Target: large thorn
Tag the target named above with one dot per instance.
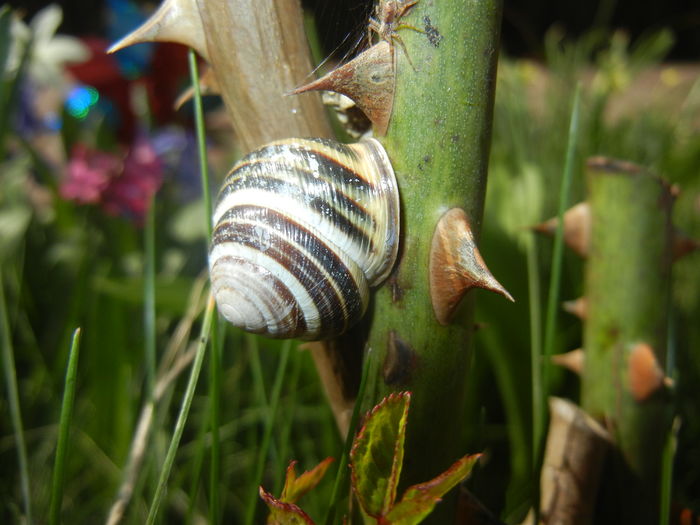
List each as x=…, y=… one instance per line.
x=577, y=228
x=456, y=265
x=574, y=360
x=174, y=21
x=368, y=80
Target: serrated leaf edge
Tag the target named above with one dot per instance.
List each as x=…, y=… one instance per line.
x=276, y=505
x=391, y=398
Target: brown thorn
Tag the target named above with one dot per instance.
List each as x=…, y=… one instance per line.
x=174, y=21
x=368, y=80
x=574, y=360
x=577, y=307
x=577, y=228
x=644, y=373
x=456, y=266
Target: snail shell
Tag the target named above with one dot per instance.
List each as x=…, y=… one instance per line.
x=302, y=229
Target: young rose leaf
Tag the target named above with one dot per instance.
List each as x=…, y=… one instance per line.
x=282, y=513
x=419, y=500
x=295, y=488
x=377, y=454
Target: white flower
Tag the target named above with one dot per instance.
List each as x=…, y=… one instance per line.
x=49, y=52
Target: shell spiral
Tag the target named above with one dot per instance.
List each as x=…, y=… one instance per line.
x=302, y=229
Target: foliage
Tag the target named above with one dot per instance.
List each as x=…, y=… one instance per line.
x=376, y=460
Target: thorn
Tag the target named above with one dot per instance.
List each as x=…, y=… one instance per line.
x=644, y=373
x=208, y=85
x=683, y=244
x=577, y=307
x=573, y=360
x=368, y=80
x=174, y=21
x=577, y=228
x=456, y=265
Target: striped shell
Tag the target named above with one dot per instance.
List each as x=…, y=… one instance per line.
x=302, y=229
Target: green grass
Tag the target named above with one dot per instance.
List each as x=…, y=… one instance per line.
x=64, y=430
x=197, y=449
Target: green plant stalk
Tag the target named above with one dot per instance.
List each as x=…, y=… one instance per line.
x=63, y=431
x=215, y=352
x=267, y=432
x=627, y=286
x=438, y=141
x=184, y=412
x=8, y=364
x=555, y=279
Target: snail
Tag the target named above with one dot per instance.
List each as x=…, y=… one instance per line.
x=302, y=229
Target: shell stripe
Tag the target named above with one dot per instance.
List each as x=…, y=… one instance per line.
x=317, y=267
x=334, y=205
x=324, y=299
x=326, y=162
x=271, y=306
x=321, y=225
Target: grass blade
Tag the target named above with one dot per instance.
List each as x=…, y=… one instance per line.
x=149, y=296
x=267, y=433
x=215, y=350
x=63, y=431
x=668, y=457
x=558, y=250
x=8, y=364
x=533, y=283
x=184, y=412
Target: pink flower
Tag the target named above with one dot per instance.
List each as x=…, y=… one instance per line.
x=88, y=174
x=120, y=186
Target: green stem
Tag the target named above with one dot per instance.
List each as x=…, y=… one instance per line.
x=8, y=362
x=63, y=431
x=438, y=141
x=627, y=287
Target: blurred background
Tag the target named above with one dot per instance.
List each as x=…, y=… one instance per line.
x=94, y=150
